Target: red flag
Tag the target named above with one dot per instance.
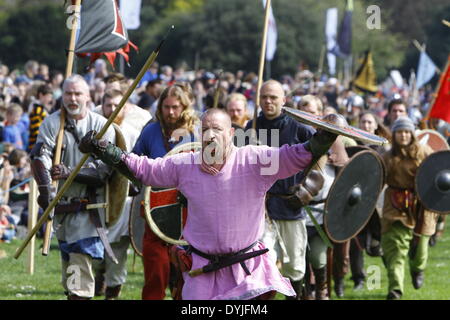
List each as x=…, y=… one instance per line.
x=441, y=107
x=102, y=31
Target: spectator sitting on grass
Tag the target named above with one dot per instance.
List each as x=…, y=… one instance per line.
x=7, y=225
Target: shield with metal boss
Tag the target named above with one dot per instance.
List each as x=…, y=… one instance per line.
x=433, y=182
x=353, y=195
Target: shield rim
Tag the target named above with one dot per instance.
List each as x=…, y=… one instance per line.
x=325, y=220
x=416, y=183
x=130, y=227
x=148, y=217
x=434, y=132
x=335, y=129
x=153, y=225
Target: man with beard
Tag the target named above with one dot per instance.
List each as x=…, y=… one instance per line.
x=236, y=107
x=225, y=187
x=175, y=125
x=78, y=230
x=131, y=119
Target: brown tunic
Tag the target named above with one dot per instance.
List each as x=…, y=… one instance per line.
x=400, y=174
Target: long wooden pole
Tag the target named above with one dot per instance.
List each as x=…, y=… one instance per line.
x=71, y=55
x=102, y=132
x=217, y=92
x=262, y=58
x=32, y=217
x=59, y=139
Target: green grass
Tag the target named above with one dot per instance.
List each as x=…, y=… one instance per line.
x=44, y=284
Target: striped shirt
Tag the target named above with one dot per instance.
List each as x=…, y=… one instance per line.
x=37, y=115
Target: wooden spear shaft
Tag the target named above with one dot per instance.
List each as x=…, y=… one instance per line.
x=102, y=132
x=59, y=139
x=261, y=62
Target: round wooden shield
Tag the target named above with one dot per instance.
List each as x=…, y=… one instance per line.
x=353, y=196
x=346, y=130
x=433, y=182
x=433, y=139
x=163, y=212
x=136, y=224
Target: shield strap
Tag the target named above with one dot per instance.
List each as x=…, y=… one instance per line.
x=95, y=218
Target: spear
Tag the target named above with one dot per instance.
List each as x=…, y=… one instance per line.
x=62, y=117
x=217, y=92
x=72, y=176
x=261, y=63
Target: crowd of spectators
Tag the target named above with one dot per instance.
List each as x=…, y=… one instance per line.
x=28, y=95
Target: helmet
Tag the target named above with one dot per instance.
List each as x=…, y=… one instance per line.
x=357, y=101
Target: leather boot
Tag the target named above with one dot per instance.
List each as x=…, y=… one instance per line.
x=298, y=288
x=417, y=279
x=100, y=285
x=321, y=283
x=112, y=293
x=339, y=287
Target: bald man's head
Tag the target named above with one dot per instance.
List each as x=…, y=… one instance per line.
x=220, y=114
x=272, y=98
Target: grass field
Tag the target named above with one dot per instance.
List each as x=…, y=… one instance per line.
x=44, y=284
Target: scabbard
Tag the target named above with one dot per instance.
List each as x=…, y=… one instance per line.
x=226, y=262
x=95, y=218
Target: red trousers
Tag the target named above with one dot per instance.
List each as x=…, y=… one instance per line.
x=156, y=266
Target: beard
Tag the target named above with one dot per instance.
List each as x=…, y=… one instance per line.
x=73, y=112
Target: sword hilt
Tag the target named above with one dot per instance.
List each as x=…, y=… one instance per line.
x=196, y=272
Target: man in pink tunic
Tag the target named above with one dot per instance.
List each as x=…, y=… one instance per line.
x=225, y=187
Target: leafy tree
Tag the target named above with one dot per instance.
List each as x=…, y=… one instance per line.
x=227, y=35
x=35, y=32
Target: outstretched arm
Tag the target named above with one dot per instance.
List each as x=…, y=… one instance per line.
x=139, y=169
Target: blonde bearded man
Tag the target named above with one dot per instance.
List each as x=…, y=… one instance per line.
x=236, y=107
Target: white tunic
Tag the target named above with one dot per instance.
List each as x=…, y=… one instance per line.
x=72, y=227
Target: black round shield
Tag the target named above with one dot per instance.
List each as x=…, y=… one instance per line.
x=352, y=150
x=136, y=225
x=353, y=195
x=433, y=182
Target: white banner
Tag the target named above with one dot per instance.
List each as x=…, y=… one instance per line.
x=425, y=70
x=272, y=35
x=130, y=11
x=331, y=25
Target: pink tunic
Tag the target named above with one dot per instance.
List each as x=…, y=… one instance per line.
x=226, y=213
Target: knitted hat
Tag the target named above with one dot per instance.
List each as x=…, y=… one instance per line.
x=404, y=123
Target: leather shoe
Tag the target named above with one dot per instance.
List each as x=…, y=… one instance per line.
x=359, y=285
x=112, y=293
x=339, y=287
x=394, y=295
x=417, y=279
